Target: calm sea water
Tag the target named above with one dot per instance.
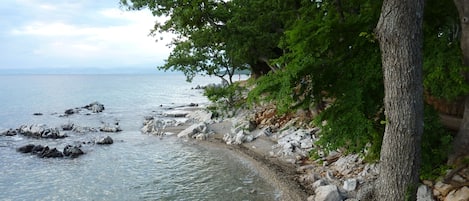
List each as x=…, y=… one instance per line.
x=136, y=166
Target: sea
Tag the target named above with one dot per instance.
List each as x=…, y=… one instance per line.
x=136, y=166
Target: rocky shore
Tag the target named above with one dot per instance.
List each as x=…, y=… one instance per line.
x=280, y=147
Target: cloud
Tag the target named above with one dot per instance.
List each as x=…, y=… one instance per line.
x=106, y=36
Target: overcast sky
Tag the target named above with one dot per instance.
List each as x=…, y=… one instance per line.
x=71, y=34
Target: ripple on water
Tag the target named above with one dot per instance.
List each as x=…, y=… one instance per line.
x=136, y=167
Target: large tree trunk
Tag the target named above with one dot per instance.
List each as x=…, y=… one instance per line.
x=399, y=32
x=461, y=142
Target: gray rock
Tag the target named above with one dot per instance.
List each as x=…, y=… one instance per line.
x=9, y=132
x=327, y=193
x=72, y=151
x=105, y=140
x=318, y=183
x=95, y=107
x=153, y=126
x=37, y=149
x=424, y=193
x=40, y=131
x=350, y=184
x=69, y=112
x=50, y=153
x=110, y=128
x=193, y=129
x=67, y=126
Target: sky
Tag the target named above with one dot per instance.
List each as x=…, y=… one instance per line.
x=67, y=35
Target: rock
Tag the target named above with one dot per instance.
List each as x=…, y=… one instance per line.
x=72, y=151
x=26, y=148
x=366, y=192
x=424, y=193
x=333, y=156
x=350, y=184
x=105, y=140
x=110, y=128
x=345, y=165
x=95, y=107
x=37, y=114
x=193, y=129
x=37, y=149
x=153, y=126
x=9, y=132
x=67, y=126
x=69, y=112
x=200, y=116
x=461, y=194
x=40, y=131
x=327, y=193
x=441, y=188
x=318, y=183
x=80, y=129
x=50, y=153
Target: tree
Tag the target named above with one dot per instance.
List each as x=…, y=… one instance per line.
x=461, y=141
x=399, y=31
x=331, y=54
x=219, y=37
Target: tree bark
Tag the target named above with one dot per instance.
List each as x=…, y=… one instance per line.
x=399, y=32
x=461, y=141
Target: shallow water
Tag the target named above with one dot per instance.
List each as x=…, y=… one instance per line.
x=136, y=166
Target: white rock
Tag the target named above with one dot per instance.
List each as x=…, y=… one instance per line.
x=350, y=184
x=200, y=115
x=192, y=130
x=327, y=193
x=424, y=193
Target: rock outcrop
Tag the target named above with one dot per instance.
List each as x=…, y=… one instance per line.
x=36, y=131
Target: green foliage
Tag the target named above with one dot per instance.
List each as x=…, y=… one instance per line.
x=443, y=66
x=436, y=144
x=328, y=57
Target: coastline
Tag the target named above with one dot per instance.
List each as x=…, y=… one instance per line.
x=279, y=173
